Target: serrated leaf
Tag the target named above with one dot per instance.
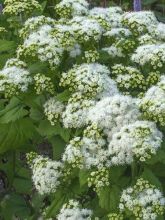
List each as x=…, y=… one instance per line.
x=47, y=130
x=14, y=134
x=159, y=157
x=14, y=205
x=109, y=198
x=22, y=185
x=63, y=96
x=58, y=146
x=36, y=114
x=38, y=67
x=151, y=177
x=59, y=199
x=83, y=177
x=13, y=111
x=6, y=45
x=116, y=173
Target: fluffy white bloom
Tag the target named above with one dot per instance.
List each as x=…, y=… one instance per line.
x=153, y=54
x=46, y=174
x=89, y=79
x=105, y=11
x=159, y=31
x=15, y=62
x=94, y=154
x=53, y=110
x=114, y=51
x=73, y=211
x=147, y=39
x=86, y=29
x=140, y=139
x=144, y=200
x=43, y=45
x=14, y=76
x=107, y=17
x=76, y=111
x=34, y=23
x=153, y=103
x=139, y=22
x=68, y=8
x=16, y=7
x=75, y=50
x=111, y=113
x=87, y=151
x=118, y=32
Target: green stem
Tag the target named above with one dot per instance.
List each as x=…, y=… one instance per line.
x=133, y=171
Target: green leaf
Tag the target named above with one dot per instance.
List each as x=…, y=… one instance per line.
x=38, y=67
x=160, y=218
x=3, y=58
x=148, y=2
x=116, y=173
x=64, y=96
x=22, y=185
x=47, y=130
x=59, y=199
x=58, y=145
x=13, y=111
x=151, y=177
x=159, y=157
x=65, y=133
x=14, y=205
x=83, y=176
x=36, y=114
x=14, y=134
x=6, y=45
x=109, y=198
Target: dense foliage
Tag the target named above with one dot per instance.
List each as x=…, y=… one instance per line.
x=82, y=112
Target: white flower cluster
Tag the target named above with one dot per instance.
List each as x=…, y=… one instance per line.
x=159, y=31
x=111, y=113
x=17, y=7
x=91, y=56
x=43, y=45
x=14, y=78
x=53, y=110
x=153, y=54
x=34, y=23
x=76, y=111
x=65, y=35
x=89, y=80
x=128, y=78
x=140, y=139
x=73, y=211
x=143, y=200
x=99, y=179
x=86, y=30
x=46, y=173
x=118, y=33
x=88, y=151
x=73, y=155
x=71, y=8
x=114, y=51
x=107, y=17
x=43, y=84
x=146, y=39
x=139, y=22
x=115, y=216
x=153, y=103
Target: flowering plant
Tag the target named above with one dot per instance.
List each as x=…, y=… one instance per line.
x=82, y=113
